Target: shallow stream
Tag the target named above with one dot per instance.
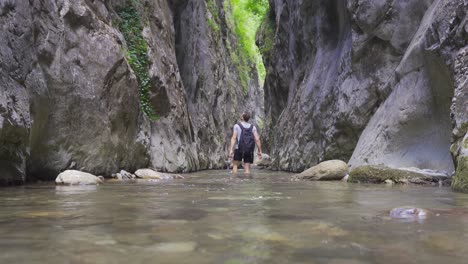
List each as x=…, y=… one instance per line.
x=212, y=217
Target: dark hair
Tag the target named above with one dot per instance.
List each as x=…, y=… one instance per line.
x=246, y=116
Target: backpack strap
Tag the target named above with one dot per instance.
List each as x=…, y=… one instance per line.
x=243, y=128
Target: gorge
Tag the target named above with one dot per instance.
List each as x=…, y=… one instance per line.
x=102, y=86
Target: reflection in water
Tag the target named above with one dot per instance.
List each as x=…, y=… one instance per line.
x=214, y=217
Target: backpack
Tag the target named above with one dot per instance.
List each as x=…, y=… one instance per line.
x=247, y=139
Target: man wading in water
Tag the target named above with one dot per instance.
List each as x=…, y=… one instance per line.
x=246, y=137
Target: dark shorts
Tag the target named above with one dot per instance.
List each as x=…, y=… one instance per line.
x=248, y=157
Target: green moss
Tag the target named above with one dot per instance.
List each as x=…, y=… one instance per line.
x=248, y=15
x=213, y=18
x=136, y=53
x=460, y=181
x=376, y=174
x=213, y=25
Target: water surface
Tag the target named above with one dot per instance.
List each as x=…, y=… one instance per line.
x=212, y=217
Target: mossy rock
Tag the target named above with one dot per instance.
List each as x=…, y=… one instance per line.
x=379, y=174
x=460, y=181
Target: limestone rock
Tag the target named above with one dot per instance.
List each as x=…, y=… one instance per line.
x=331, y=170
x=369, y=82
x=264, y=162
x=381, y=174
x=68, y=94
x=155, y=175
x=74, y=177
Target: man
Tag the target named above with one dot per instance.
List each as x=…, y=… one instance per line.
x=247, y=137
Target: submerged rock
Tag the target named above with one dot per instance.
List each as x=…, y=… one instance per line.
x=381, y=174
x=331, y=170
x=74, y=177
x=408, y=213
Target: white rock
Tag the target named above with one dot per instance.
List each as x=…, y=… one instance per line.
x=331, y=170
x=74, y=177
x=151, y=174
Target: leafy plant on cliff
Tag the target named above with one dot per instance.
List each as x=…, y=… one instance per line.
x=137, y=53
x=248, y=16
x=214, y=20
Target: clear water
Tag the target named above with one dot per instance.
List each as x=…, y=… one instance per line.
x=211, y=217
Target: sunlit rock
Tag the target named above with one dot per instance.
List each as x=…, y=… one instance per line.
x=331, y=170
x=74, y=177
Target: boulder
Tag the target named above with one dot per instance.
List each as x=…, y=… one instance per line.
x=381, y=174
x=264, y=162
x=331, y=170
x=156, y=175
x=74, y=177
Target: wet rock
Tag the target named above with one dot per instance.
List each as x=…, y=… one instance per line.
x=332, y=170
x=124, y=176
x=408, y=213
x=345, y=178
x=381, y=174
x=156, y=175
x=460, y=181
x=74, y=177
x=174, y=247
x=264, y=162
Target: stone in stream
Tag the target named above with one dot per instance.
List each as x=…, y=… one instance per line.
x=151, y=174
x=381, y=174
x=407, y=212
x=331, y=170
x=264, y=162
x=124, y=176
x=74, y=177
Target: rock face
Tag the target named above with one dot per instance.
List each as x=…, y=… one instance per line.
x=69, y=94
x=369, y=82
x=205, y=47
x=74, y=177
x=331, y=170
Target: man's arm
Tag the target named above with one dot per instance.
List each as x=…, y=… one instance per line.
x=233, y=141
x=259, y=145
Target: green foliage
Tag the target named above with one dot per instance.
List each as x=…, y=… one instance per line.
x=214, y=21
x=248, y=16
x=137, y=53
x=460, y=181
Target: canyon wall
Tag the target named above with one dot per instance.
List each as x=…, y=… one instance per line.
x=70, y=97
x=369, y=82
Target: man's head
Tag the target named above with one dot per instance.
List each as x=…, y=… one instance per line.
x=245, y=116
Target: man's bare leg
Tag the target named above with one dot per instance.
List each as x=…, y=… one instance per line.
x=247, y=168
x=235, y=163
